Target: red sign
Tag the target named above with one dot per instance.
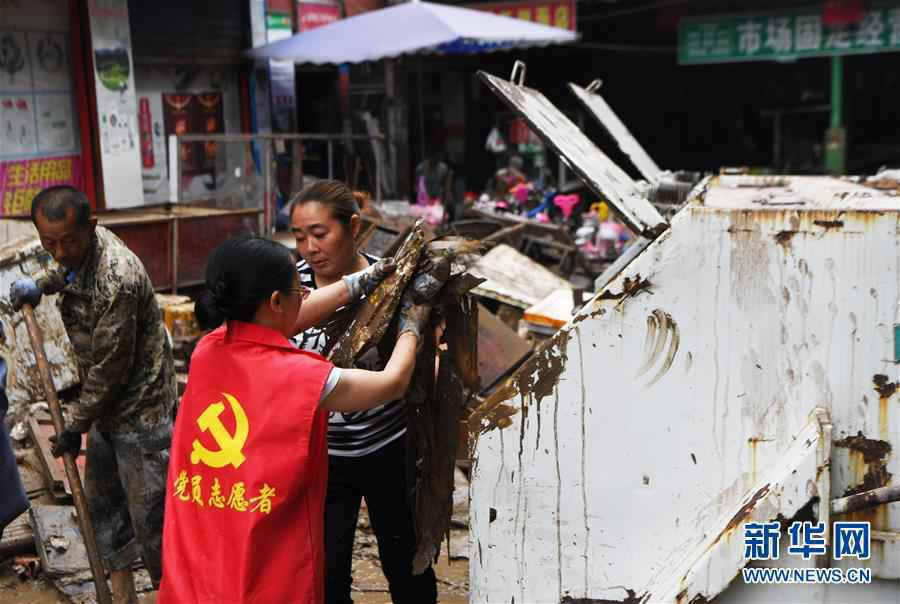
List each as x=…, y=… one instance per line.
x=186, y=113
x=146, y=129
x=840, y=13
x=518, y=131
x=317, y=15
x=21, y=180
x=556, y=13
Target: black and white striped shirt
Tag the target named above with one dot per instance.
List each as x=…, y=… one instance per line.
x=363, y=432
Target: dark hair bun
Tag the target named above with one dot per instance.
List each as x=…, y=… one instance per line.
x=240, y=274
x=362, y=200
x=208, y=310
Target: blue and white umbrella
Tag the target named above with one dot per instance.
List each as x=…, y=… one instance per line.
x=411, y=28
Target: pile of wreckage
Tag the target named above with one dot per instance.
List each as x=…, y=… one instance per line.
x=498, y=304
x=493, y=290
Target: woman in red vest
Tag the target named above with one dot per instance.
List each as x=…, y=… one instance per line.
x=249, y=459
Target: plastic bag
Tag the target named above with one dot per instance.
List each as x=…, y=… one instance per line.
x=495, y=142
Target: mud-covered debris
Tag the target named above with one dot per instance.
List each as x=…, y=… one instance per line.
x=59, y=543
x=884, y=386
x=630, y=288
x=874, y=454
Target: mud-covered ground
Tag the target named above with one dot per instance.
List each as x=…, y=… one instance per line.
x=369, y=584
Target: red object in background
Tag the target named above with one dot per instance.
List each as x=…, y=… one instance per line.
x=85, y=101
x=518, y=131
x=278, y=6
x=312, y=15
x=838, y=13
x=344, y=89
x=146, y=128
x=557, y=13
x=356, y=7
x=667, y=18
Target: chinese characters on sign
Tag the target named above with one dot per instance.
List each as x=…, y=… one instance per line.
x=784, y=36
x=556, y=13
x=189, y=489
x=20, y=181
x=807, y=539
x=316, y=15
x=39, y=143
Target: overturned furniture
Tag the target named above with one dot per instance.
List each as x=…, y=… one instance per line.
x=738, y=365
x=25, y=258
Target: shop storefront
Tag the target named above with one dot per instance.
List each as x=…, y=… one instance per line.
x=40, y=134
x=90, y=91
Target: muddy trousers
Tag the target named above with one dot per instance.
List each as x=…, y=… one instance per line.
x=125, y=485
x=380, y=477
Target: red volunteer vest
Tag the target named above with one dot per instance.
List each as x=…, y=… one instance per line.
x=247, y=474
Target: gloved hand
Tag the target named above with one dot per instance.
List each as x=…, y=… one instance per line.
x=362, y=283
x=24, y=291
x=429, y=279
x=413, y=316
x=67, y=442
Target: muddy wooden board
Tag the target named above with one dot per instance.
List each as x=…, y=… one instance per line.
x=58, y=539
x=41, y=429
x=514, y=279
x=500, y=349
x=603, y=113
x=31, y=472
x=559, y=133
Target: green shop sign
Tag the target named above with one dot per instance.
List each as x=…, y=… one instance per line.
x=784, y=36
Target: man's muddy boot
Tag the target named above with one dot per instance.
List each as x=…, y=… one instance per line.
x=123, y=587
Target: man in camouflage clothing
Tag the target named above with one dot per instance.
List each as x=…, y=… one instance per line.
x=128, y=390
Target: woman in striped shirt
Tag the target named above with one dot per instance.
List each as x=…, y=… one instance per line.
x=366, y=450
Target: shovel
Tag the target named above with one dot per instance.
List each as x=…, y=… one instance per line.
x=84, y=517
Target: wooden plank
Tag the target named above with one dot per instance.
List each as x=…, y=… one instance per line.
x=41, y=429
x=499, y=348
x=58, y=540
x=514, y=279
x=561, y=135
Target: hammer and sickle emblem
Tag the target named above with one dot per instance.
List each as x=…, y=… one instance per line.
x=230, y=445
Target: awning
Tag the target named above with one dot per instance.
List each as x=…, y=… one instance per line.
x=411, y=28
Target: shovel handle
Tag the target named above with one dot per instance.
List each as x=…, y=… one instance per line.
x=84, y=516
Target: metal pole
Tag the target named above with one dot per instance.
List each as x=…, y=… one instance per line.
x=330, y=159
x=175, y=254
x=837, y=89
x=868, y=499
x=174, y=165
x=776, y=139
x=267, y=201
x=377, y=182
x=422, y=153
x=84, y=516
x=836, y=136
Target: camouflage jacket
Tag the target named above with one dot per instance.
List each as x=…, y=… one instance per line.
x=116, y=328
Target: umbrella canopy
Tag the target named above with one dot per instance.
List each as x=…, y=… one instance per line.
x=411, y=28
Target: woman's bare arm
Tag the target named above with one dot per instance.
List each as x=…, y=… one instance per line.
x=359, y=390
x=321, y=304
